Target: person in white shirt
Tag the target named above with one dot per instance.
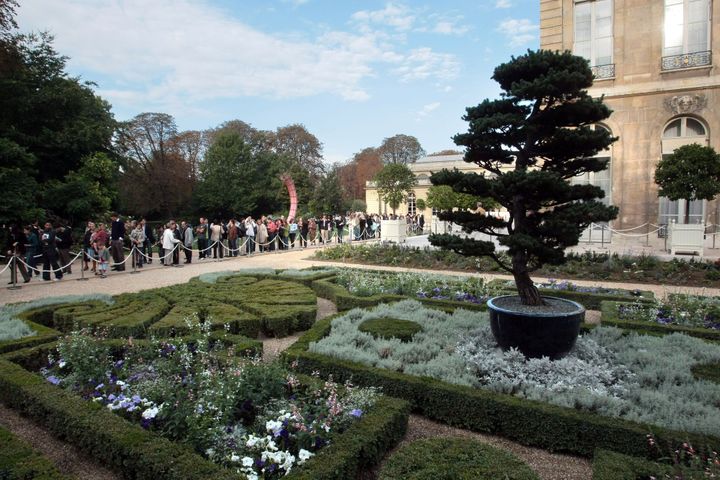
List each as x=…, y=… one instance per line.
x=168, y=242
x=250, y=229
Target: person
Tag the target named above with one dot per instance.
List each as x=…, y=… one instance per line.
x=49, y=251
x=103, y=260
x=168, y=242
x=87, y=246
x=33, y=249
x=292, y=231
x=323, y=226
x=137, y=240
x=272, y=234
x=178, y=236
x=304, y=229
x=15, y=252
x=421, y=222
x=117, y=242
x=188, y=239
x=216, y=232
x=362, y=225
x=202, y=232
x=250, y=231
x=64, y=243
x=340, y=227
x=232, y=235
x=312, y=231
x=149, y=240
x=262, y=234
x=284, y=232
x=100, y=237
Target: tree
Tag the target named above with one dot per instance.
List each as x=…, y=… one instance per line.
x=362, y=168
x=532, y=141
x=328, y=195
x=691, y=172
x=191, y=145
x=301, y=146
x=394, y=182
x=445, y=152
x=401, y=149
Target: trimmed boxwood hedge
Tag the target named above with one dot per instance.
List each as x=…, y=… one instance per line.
x=345, y=300
x=707, y=371
x=591, y=301
x=611, y=318
x=390, y=328
x=529, y=422
x=240, y=322
x=454, y=459
x=144, y=455
x=616, y=466
x=18, y=461
x=42, y=335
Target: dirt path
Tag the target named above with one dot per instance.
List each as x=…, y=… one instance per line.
x=67, y=458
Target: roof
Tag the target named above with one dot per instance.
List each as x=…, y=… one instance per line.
x=441, y=158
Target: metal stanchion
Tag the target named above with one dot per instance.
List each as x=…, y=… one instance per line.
x=82, y=271
x=13, y=274
x=134, y=261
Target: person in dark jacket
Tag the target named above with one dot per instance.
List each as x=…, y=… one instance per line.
x=117, y=242
x=149, y=240
x=64, y=243
x=33, y=249
x=49, y=251
x=15, y=252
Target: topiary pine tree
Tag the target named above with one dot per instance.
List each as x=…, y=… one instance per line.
x=531, y=142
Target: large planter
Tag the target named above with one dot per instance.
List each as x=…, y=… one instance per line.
x=393, y=230
x=686, y=238
x=541, y=334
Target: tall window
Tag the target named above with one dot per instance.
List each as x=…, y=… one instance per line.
x=687, y=26
x=594, y=31
x=599, y=179
x=411, y=204
x=681, y=131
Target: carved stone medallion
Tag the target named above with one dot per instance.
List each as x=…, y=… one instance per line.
x=685, y=103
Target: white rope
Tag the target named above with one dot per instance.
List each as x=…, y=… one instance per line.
x=633, y=228
x=51, y=270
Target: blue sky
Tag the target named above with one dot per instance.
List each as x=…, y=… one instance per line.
x=352, y=72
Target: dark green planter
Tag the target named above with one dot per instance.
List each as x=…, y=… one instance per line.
x=536, y=334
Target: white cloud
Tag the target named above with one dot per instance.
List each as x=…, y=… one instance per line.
x=519, y=31
x=447, y=27
x=168, y=54
x=296, y=3
x=426, y=110
x=503, y=4
x=393, y=15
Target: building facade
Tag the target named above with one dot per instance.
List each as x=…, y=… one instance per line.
x=655, y=64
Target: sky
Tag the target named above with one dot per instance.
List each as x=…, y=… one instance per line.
x=353, y=72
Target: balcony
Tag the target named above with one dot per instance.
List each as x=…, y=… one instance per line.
x=603, y=72
x=686, y=60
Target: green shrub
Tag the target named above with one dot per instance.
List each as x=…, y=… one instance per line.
x=708, y=371
x=616, y=466
x=453, y=459
x=18, y=461
x=610, y=317
x=240, y=322
x=526, y=421
x=282, y=320
x=390, y=328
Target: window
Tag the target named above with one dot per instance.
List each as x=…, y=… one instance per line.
x=686, y=40
x=411, y=204
x=678, y=132
x=594, y=34
x=603, y=180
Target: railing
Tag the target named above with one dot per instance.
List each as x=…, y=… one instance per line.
x=602, y=72
x=686, y=60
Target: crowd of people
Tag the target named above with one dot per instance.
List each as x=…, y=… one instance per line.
x=46, y=251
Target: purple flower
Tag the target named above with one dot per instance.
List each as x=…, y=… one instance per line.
x=356, y=412
x=53, y=379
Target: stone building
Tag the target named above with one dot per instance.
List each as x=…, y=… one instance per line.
x=655, y=64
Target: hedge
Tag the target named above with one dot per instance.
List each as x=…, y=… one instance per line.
x=456, y=459
x=529, y=422
x=390, y=328
x=42, y=335
x=589, y=300
x=345, y=300
x=18, y=461
x=240, y=322
x=282, y=320
x=610, y=317
x=144, y=455
x=616, y=466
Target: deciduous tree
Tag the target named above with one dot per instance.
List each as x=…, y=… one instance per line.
x=395, y=182
x=401, y=149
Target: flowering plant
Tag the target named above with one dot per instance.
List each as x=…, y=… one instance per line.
x=685, y=310
x=258, y=419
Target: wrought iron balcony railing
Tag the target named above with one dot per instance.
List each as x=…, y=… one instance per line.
x=686, y=60
x=602, y=72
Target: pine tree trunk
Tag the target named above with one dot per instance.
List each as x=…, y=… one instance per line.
x=529, y=294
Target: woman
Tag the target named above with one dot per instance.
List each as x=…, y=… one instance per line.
x=137, y=240
x=292, y=230
x=250, y=230
x=312, y=231
x=304, y=229
x=87, y=246
x=262, y=234
x=232, y=235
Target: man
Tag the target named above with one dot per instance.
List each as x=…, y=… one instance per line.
x=216, y=232
x=49, y=251
x=149, y=240
x=16, y=252
x=202, y=231
x=64, y=243
x=169, y=241
x=187, y=241
x=117, y=242
x=178, y=236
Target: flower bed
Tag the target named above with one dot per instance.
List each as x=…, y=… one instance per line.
x=589, y=297
x=243, y=415
x=522, y=419
x=18, y=460
x=687, y=464
x=694, y=316
x=433, y=458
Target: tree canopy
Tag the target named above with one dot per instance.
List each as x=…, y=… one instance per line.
x=401, y=149
x=395, y=182
x=530, y=143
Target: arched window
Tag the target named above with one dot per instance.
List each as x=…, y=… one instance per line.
x=678, y=132
x=411, y=204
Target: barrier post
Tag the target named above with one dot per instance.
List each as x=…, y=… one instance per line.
x=602, y=236
x=82, y=270
x=13, y=274
x=134, y=260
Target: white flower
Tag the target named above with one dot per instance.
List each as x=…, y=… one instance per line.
x=252, y=441
x=304, y=455
x=62, y=363
x=234, y=458
x=247, y=461
x=150, y=413
x=273, y=425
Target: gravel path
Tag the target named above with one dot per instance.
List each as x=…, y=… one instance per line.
x=68, y=459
